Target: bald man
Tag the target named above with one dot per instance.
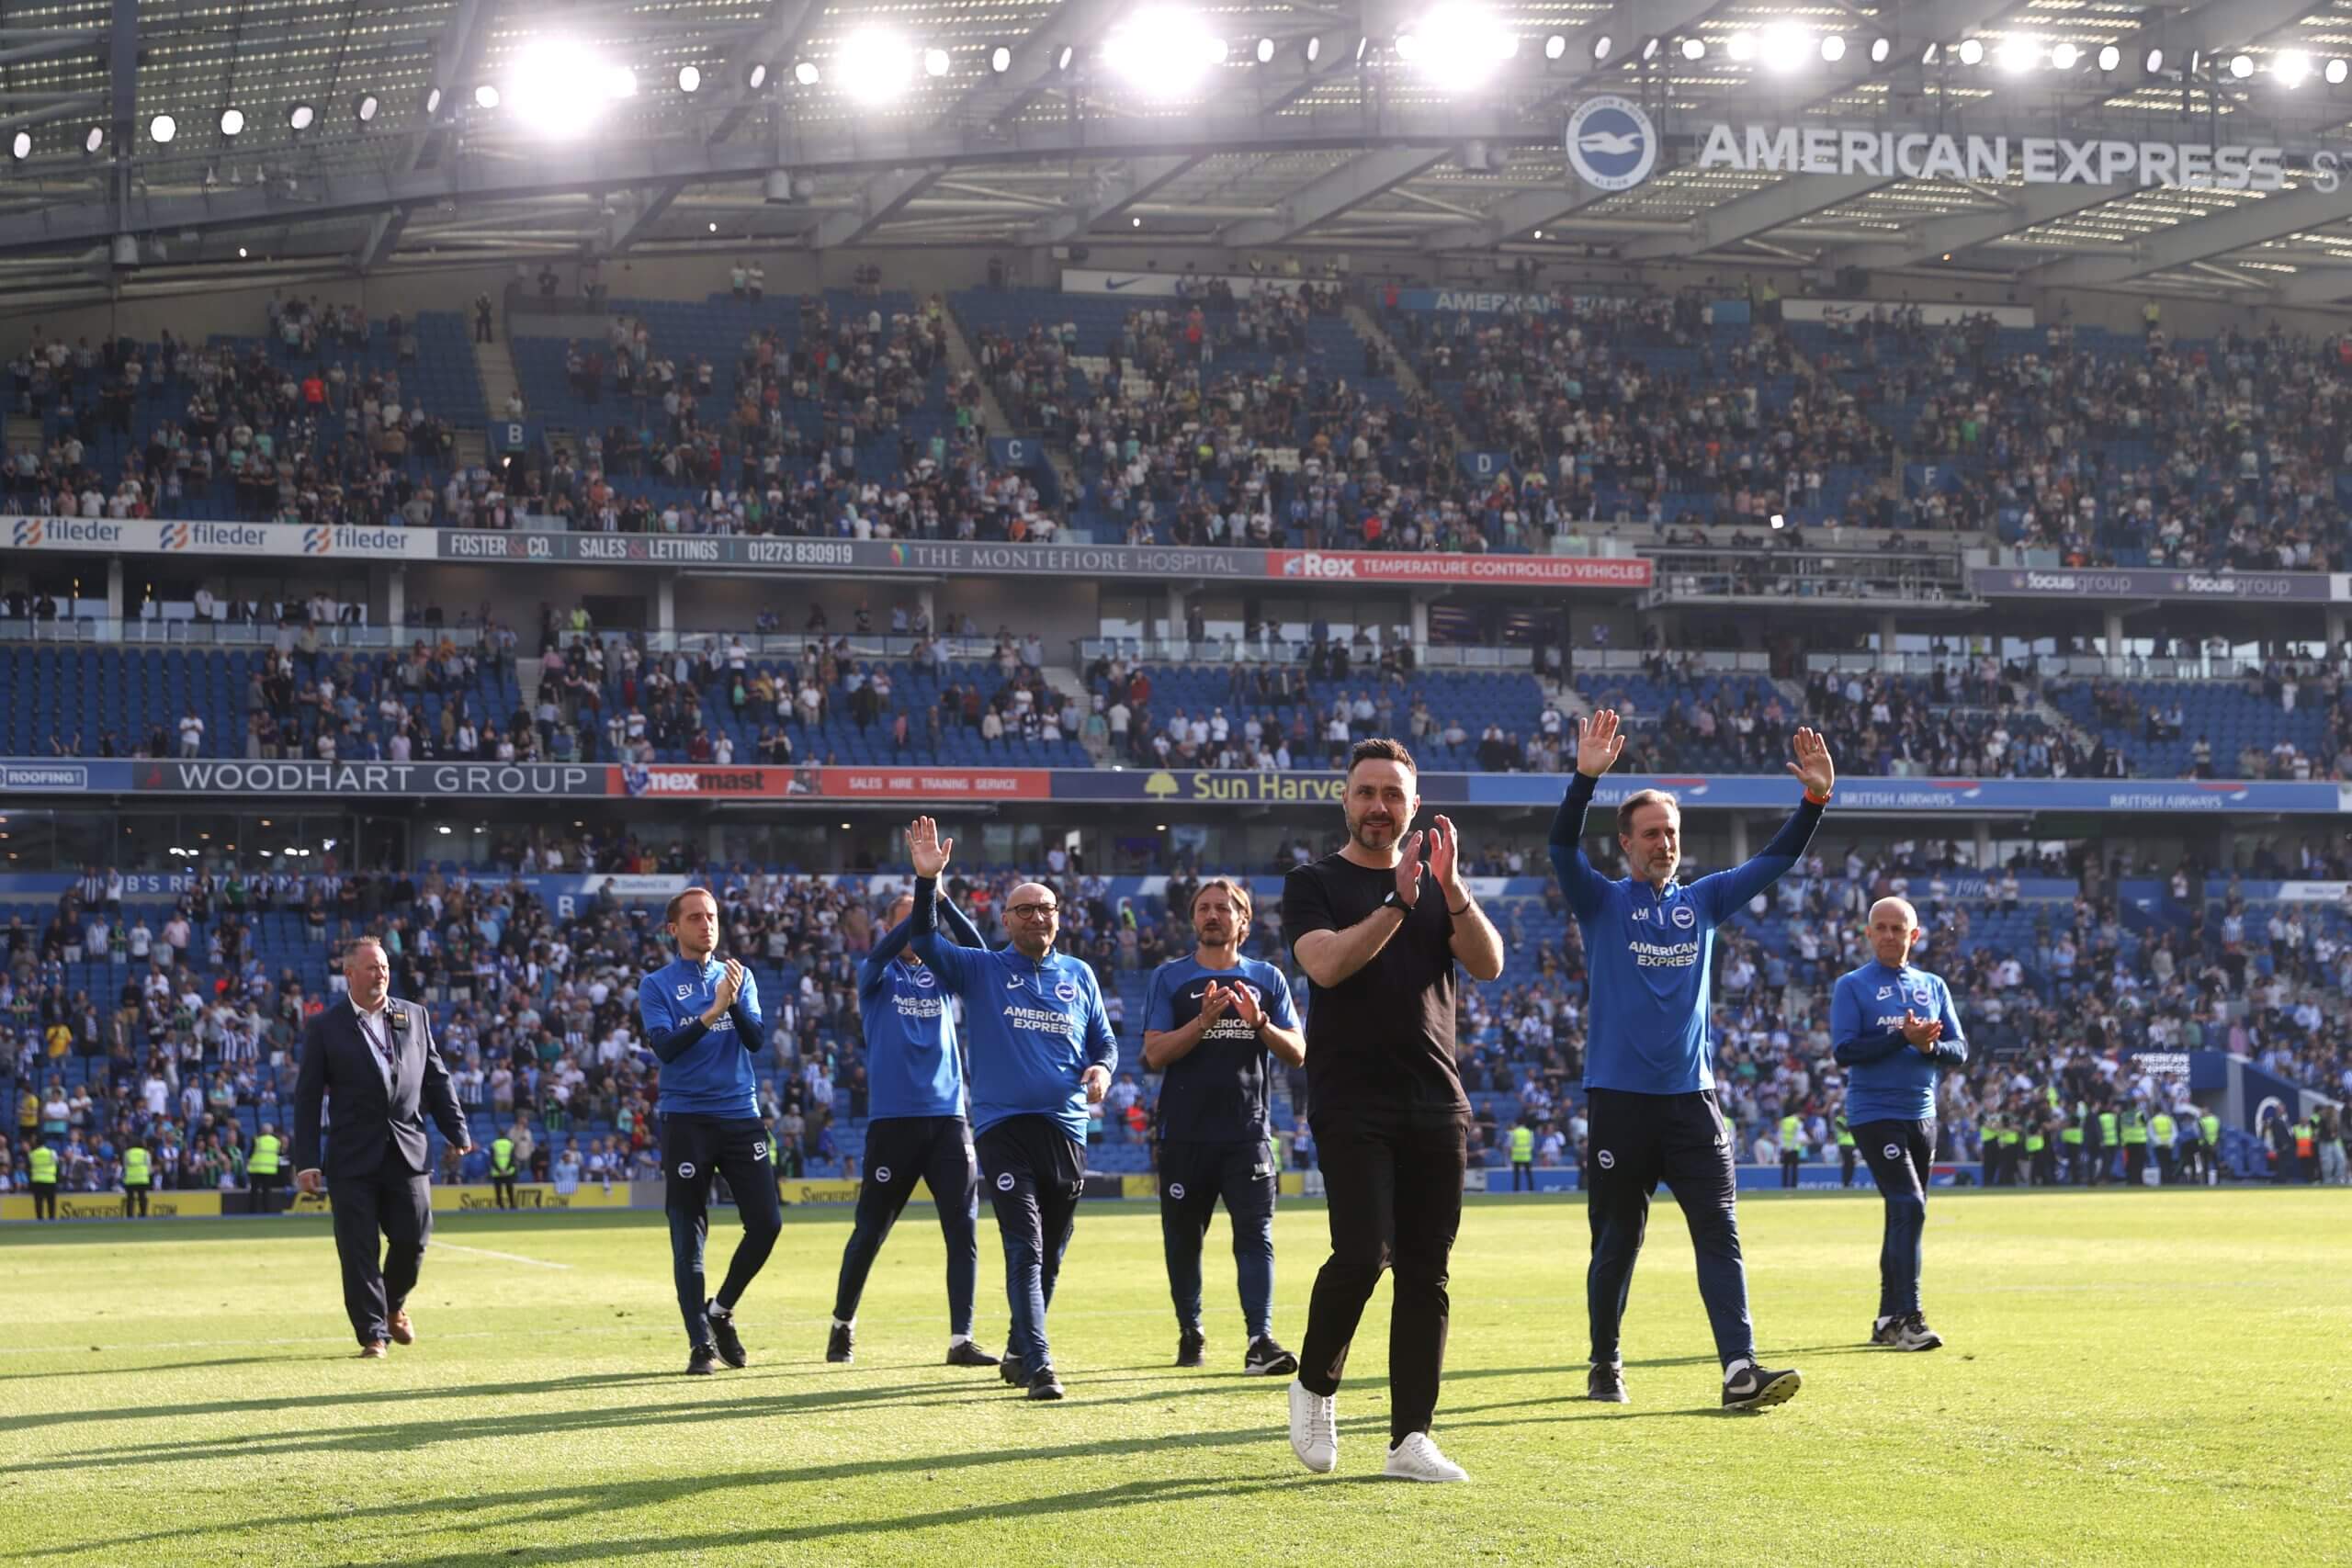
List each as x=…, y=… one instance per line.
x=1041, y=1051
x=1896, y=1031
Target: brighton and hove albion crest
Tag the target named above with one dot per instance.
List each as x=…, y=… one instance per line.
x=1611, y=145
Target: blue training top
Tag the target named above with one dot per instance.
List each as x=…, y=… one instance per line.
x=1887, y=1079
x=1033, y=1026
x=1216, y=1091
x=914, y=1067
x=705, y=1072
x=1648, y=950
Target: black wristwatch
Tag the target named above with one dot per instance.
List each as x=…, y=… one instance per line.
x=1393, y=902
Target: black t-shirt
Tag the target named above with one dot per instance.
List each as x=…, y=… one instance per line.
x=1383, y=1039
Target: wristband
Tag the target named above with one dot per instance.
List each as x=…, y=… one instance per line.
x=1457, y=914
x=1813, y=800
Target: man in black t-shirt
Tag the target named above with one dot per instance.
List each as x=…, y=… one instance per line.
x=1378, y=928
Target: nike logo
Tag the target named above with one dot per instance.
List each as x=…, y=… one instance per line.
x=1113, y=285
x=1015, y=984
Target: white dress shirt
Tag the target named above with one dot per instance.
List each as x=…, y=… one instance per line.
x=377, y=1028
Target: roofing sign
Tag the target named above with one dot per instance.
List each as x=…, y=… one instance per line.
x=1613, y=145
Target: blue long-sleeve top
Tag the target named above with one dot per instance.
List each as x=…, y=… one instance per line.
x=1648, y=952
x=911, y=1050
x=706, y=1070
x=1032, y=1026
x=1887, y=1079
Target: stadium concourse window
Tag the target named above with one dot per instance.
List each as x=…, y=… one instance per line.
x=37, y=841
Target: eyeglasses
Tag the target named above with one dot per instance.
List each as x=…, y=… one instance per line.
x=1037, y=911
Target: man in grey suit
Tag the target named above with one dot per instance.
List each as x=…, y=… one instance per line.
x=373, y=1060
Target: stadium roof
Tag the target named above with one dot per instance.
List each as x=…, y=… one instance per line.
x=1321, y=128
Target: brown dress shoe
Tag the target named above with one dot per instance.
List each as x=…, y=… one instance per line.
x=404, y=1333
x=372, y=1351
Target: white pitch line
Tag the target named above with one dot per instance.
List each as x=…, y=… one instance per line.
x=502, y=1257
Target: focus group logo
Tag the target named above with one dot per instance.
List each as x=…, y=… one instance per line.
x=1611, y=145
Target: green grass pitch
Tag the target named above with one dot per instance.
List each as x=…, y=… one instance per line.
x=2131, y=1377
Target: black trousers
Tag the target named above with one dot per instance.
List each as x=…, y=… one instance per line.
x=1846, y=1154
x=693, y=1148
x=1193, y=1178
x=2135, y=1161
x=390, y=1208
x=1789, y=1160
x=1639, y=1140
x=501, y=1189
x=44, y=1199
x=134, y=1202
x=899, y=1150
x=1902, y=1156
x=264, y=1191
x=1035, y=1173
x=1393, y=1183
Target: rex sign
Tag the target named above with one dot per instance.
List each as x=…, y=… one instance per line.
x=1419, y=566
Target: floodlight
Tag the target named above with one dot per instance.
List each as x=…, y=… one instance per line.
x=232, y=122
x=2291, y=68
x=486, y=97
x=162, y=128
x=2109, y=57
x=2065, y=56
x=689, y=78
x=20, y=146
x=1833, y=47
x=1880, y=48
x=1556, y=46
x=2337, y=71
x=93, y=139
x=1601, y=47
x=2018, y=55
x=366, y=107
x=1695, y=49
x=873, y=66
x=559, y=87
x=2242, y=66
x=1457, y=46
x=1741, y=48
x=301, y=116
x=1000, y=58
x=2152, y=62
x=805, y=72
x=935, y=63
x=1781, y=46
x=1163, y=50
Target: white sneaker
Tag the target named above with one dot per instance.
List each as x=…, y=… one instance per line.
x=1314, y=1429
x=1416, y=1459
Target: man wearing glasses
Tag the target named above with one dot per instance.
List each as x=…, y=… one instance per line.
x=1041, y=1051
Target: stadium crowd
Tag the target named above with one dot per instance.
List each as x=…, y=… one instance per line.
x=188, y=1045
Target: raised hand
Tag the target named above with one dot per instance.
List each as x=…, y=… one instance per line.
x=730, y=987
x=1445, y=857
x=1599, y=744
x=1214, y=1003
x=1408, y=870
x=1246, y=1008
x=1923, y=1032
x=1813, y=764
x=926, y=848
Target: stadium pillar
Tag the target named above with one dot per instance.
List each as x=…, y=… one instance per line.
x=2334, y=632
x=666, y=604
x=1984, y=845
x=114, y=589
x=396, y=598
x=1886, y=642
x=1422, y=598
x=2113, y=647
x=1738, y=840
x=927, y=606
x=1175, y=633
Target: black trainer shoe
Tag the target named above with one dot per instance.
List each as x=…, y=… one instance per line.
x=1755, y=1388
x=1883, y=1334
x=965, y=1353
x=722, y=1334
x=1607, y=1384
x=1912, y=1333
x=1268, y=1359
x=841, y=1345
x=704, y=1361
x=1191, y=1347
x=1010, y=1370
x=1044, y=1384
